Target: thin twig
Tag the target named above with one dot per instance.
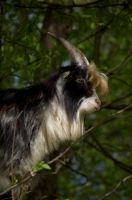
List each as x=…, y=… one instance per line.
x=13, y=145
x=114, y=190
x=117, y=99
x=121, y=65
x=89, y=130
x=73, y=170
x=64, y=152
x=95, y=32
x=17, y=184
x=13, y=142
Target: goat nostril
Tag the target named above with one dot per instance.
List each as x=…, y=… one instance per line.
x=98, y=101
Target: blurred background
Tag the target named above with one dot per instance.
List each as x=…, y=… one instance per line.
x=100, y=165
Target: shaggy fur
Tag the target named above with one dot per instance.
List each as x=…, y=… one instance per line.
x=36, y=119
x=99, y=80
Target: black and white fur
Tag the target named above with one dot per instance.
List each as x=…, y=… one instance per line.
x=36, y=119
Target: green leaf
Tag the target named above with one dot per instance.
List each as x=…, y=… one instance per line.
x=38, y=47
x=14, y=180
x=40, y=166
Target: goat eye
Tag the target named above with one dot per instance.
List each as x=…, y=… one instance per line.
x=69, y=77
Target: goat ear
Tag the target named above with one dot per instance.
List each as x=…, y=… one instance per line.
x=78, y=57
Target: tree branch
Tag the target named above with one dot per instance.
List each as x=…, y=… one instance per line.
x=29, y=176
x=114, y=190
x=121, y=65
x=104, y=152
x=68, y=4
x=95, y=32
x=80, y=3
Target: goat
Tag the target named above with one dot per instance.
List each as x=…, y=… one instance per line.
x=36, y=119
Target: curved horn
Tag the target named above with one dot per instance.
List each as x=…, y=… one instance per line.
x=77, y=56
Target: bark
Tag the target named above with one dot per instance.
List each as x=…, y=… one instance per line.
x=51, y=24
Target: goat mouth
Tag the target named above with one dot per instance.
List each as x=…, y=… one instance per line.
x=96, y=107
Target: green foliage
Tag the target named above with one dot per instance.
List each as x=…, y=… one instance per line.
x=14, y=180
x=40, y=166
x=103, y=32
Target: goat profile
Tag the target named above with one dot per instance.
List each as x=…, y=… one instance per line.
x=36, y=119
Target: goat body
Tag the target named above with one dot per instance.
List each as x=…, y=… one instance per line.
x=36, y=119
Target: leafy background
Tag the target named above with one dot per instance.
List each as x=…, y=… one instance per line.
x=100, y=165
